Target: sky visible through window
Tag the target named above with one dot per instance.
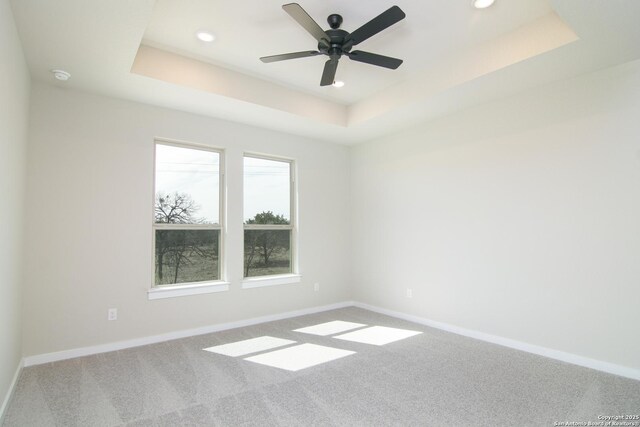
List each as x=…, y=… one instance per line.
x=192, y=172
x=196, y=173
x=266, y=187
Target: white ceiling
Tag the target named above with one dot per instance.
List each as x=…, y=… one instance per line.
x=431, y=29
x=454, y=56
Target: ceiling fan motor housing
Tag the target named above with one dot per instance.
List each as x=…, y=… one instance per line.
x=336, y=41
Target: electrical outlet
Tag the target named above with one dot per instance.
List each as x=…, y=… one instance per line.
x=112, y=314
x=409, y=293
x=316, y=287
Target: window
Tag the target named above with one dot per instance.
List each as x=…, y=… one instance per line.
x=269, y=217
x=187, y=226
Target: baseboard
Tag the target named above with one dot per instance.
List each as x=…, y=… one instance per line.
x=574, y=359
x=12, y=387
x=137, y=342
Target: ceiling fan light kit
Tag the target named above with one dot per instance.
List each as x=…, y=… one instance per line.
x=336, y=42
x=482, y=4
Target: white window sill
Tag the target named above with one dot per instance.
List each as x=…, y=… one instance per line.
x=281, y=279
x=160, y=292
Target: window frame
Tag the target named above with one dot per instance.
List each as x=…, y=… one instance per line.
x=191, y=288
x=275, y=279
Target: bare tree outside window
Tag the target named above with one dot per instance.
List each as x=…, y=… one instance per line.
x=176, y=208
x=186, y=225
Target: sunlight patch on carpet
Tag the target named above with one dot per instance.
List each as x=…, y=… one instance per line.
x=377, y=335
x=253, y=345
x=300, y=356
x=330, y=328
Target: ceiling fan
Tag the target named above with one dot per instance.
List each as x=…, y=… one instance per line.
x=335, y=42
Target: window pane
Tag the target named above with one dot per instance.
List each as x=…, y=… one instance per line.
x=187, y=185
x=267, y=252
x=267, y=191
x=186, y=256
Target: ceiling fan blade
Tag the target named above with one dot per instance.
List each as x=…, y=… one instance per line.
x=329, y=73
x=374, y=59
x=377, y=24
x=302, y=17
x=293, y=55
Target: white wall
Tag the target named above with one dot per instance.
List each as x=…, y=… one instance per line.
x=520, y=218
x=89, y=230
x=14, y=109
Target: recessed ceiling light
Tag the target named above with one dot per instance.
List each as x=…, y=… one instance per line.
x=205, y=36
x=482, y=4
x=338, y=83
x=61, y=75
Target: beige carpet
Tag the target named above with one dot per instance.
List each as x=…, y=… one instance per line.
x=430, y=379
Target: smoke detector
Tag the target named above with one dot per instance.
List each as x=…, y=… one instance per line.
x=61, y=75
